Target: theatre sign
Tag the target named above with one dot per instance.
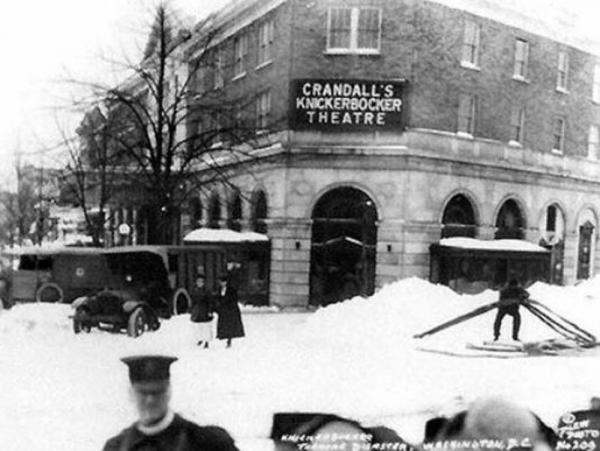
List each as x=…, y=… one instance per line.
x=346, y=105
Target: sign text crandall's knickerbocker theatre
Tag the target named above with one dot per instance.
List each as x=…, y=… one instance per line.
x=346, y=105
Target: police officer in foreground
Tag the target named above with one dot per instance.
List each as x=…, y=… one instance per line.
x=158, y=427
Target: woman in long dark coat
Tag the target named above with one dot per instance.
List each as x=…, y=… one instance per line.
x=229, y=323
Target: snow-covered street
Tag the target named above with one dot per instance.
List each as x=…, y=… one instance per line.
x=62, y=391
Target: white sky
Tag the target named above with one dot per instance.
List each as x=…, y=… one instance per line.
x=42, y=41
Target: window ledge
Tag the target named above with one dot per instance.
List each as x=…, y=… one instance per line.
x=557, y=151
x=469, y=65
x=264, y=64
x=514, y=143
x=562, y=90
x=238, y=76
x=464, y=135
x=521, y=79
x=372, y=52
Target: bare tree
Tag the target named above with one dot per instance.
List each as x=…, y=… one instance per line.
x=169, y=134
x=88, y=178
x=19, y=204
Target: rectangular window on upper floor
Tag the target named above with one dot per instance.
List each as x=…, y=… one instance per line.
x=219, y=68
x=240, y=52
x=596, y=86
x=467, y=114
x=517, y=125
x=470, y=49
x=562, y=75
x=263, y=110
x=558, y=136
x=521, y=59
x=354, y=30
x=265, y=42
x=593, y=142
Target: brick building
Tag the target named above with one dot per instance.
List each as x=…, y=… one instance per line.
x=496, y=136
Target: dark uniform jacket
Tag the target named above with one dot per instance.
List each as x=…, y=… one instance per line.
x=511, y=297
x=180, y=435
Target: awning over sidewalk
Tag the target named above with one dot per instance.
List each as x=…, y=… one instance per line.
x=206, y=235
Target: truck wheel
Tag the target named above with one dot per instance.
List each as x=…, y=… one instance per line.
x=182, y=303
x=137, y=323
x=155, y=325
x=49, y=292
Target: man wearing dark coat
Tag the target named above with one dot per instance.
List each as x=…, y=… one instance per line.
x=229, y=323
x=158, y=427
x=510, y=299
x=202, y=311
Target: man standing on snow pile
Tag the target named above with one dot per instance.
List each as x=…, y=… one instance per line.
x=158, y=427
x=510, y=299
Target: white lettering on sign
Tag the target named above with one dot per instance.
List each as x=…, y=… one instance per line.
x=347, y=103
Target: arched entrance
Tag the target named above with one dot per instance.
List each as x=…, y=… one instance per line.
x=552, y=231
x=459, y=218
x=510, y=222
x=214, y=212
x=259, y=212
x=344, y=238
x=586, y=239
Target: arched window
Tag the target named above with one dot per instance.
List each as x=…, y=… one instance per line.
x=214, y=212
x=195, y=211
x=234, y=221
x=459, y=218
x=510, y=222
x=259, y=213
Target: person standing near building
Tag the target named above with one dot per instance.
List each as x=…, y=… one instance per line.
x=510, y=299
x=202, y=311
x=229, y=323
x=158, y=428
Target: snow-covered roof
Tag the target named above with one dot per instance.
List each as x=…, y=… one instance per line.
x=206, y=235
x=492, y=245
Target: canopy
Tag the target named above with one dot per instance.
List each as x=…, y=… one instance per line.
x=492, y=245
x=206, y=235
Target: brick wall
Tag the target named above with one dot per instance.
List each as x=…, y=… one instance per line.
x=422, y=41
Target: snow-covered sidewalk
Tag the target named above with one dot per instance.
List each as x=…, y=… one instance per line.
x=358, y=359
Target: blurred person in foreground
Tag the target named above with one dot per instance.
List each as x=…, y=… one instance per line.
x=508, y=425
x=158, y=428
x=510, y=299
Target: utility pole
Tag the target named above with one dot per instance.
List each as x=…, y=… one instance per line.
x=40, y=212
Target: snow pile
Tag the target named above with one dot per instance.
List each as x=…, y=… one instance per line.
x=357, y=359
x=394, y=314
x=398, y=311
x=36, y=318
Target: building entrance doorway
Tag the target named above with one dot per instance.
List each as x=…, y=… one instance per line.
x=344, y=238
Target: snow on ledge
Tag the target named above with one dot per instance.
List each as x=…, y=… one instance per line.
x=206, y=235
x=492, y=245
